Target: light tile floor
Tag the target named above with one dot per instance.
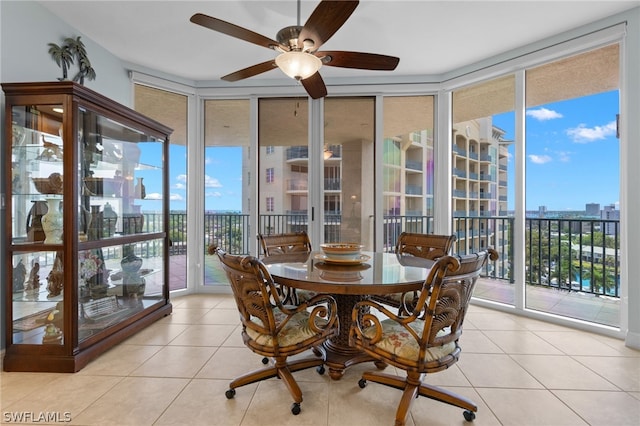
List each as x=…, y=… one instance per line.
x=520, y=371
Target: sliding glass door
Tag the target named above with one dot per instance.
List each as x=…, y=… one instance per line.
x=482, y=179
x=227, y=188
x=170, y=109
x=283, y=165
x=348, y=170
x=407, y=167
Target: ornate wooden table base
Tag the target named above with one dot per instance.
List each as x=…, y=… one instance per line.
x=338, y=354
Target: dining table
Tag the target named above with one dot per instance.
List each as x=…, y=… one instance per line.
x=348, y=282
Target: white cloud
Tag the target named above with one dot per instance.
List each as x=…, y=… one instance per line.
x=584, y=134
x=540, y=159
x=154, y=196
x=175, y=197
x=181, y=178
x=210, y=182
x=215, y=194
x=179, y=186
x=543, y=114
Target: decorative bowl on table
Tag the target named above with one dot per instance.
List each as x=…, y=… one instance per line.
x=341, y=251
x=49, y=185
x=103, y=186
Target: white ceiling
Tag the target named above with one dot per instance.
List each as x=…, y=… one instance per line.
x=429, y=37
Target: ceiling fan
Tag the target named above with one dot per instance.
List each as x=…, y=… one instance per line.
x=299, y=57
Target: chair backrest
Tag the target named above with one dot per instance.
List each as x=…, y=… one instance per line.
x=448, y=300
x=275, y=244
x=428, y=246
x=252, y=288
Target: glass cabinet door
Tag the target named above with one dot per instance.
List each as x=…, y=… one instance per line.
x=121, y=179
x=120, y=189
x=36, y=174
x=37, y=227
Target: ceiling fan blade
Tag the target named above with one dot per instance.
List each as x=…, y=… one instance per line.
x=251, y=71
x=234, y=31
x=359, y=60
x=326, y=19
x=315, y=86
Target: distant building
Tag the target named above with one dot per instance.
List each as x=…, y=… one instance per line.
x=610, y=213
x=542, y=211
x=592, y=209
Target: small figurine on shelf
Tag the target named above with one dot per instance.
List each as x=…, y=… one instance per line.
x=55, y=279
x=52, y=333
x=19, y=275
x=93, y=273
x=109, y=220
x=134, y=283
x=33, y=282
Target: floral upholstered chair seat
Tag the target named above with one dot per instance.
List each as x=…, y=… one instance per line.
x=296, y=329
x=399, y=343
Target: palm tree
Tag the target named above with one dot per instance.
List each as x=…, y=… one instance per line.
x=76, y=46
x=63, y=57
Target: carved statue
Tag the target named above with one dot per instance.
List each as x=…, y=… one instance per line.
x=55, y=279
x=33, y=283
x=19, y=274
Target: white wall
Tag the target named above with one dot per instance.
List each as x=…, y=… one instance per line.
x=26, y=29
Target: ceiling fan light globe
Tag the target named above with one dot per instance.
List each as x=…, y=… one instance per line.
x=298, y=65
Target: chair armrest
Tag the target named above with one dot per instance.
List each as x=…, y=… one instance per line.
x=376, y=313
x=323, y=315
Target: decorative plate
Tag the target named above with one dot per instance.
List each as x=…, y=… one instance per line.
x=357, y=261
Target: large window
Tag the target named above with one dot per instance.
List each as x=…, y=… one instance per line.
x=408, y=167
x=227, y=182
x=348, y=192
x=170, y=109
x=283, y=164
x=572, y=186
x=481, y=178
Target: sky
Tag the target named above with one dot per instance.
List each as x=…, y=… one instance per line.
x=572, y=153
x=572, y=159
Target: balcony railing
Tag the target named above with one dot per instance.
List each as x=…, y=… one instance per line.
x=571, y=254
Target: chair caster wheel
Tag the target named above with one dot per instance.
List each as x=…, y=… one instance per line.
x=295, y=409
x=469, y=415
x=320, y=369
x=265, y=360
x=362, y=383
x=230, y=393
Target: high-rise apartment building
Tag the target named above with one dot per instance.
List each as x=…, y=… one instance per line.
x=592, y=209
x=479, y=174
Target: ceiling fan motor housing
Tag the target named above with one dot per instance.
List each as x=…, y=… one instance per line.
x=288, y=36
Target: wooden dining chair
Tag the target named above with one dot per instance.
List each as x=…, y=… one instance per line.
x=426, y=341
x=287, y=244
x=427, y=246
x=274, y=330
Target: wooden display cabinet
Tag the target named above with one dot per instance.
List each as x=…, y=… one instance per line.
x=86, y=242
